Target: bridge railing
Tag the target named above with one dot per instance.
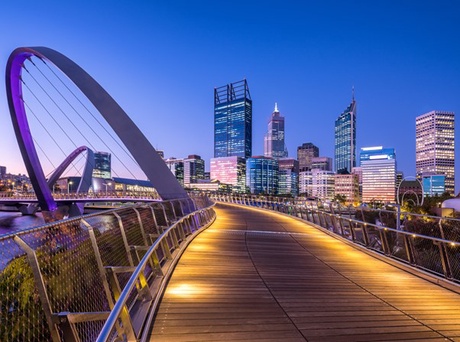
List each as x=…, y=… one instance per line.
x=429, y=243
x=110, y=194
x=61, y=281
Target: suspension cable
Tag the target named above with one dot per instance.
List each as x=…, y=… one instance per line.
x=43, y=126
x=62, y=111
x=54, y=140
x=122, y=147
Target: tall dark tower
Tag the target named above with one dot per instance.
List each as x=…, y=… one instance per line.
x=345, y=139
x=233, y=120
x=274, y=145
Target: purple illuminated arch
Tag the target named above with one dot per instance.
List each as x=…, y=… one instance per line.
x=137, y=144
x=85, y=179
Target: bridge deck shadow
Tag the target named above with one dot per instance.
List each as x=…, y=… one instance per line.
x=246, y=278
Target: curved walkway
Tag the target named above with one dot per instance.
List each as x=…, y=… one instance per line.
x=260, y=276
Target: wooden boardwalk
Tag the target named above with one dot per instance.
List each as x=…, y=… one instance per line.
x=246, y=278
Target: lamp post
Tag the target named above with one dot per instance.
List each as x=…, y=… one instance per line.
x=69, y=183
x=105, y=184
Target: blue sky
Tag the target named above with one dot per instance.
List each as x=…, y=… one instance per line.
x=162, y=59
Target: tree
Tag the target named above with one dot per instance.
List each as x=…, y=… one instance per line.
x=340, y=198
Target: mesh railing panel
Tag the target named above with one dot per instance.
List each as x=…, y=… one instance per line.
x=69, y=269
x=374, y=239
x=21, y=314
x=169, y=211
x=202, y=201
x=177, y=209
x=427, y=255
x=347, y=227
x=159, y=215
x=111, y=245
x=368, y=216
x=388, y=219
x=359, y=233
x=397, y=245
x=132, y=227
x=451, y=230
x=88, y=331
x=453, y=256
x=147, y=220
x=423, y=226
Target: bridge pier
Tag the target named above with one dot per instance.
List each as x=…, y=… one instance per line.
x=64, y=210
x=27, y=208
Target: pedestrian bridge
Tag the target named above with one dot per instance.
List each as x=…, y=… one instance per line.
x=256, y=275
x=190, y=271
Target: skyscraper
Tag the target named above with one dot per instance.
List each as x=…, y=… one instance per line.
x=262, y=175
x=233, y=120
x=274, y=145
x=102, y=165
x=317, y=183
x=434, y=146
x=230, y=170
x=347, y=185
x=288, y=179
x=345, y=139
x=193, y=169
x=177, y=168
x=305, y=154
x=378, y=166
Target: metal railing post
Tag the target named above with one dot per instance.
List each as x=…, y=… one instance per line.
x=41, y=288
x=443, y=253
x=125, y=239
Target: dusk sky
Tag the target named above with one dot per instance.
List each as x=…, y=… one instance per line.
x=161, y=60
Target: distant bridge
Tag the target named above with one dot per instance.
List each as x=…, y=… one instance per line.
x=27, y=204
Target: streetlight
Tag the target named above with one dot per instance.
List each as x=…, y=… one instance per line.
x=109, y=184
x=69, y=183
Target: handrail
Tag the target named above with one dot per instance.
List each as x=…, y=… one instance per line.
x=123, y=298
x=76, y=219
x=433, y=238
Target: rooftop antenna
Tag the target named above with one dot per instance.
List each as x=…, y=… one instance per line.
x=353, y=93
x=276, y=107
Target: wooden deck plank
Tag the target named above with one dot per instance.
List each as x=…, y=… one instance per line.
x=247, y=278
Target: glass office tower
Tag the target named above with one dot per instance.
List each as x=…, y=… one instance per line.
x=378, y=166
x=435, y=146
x=230, y=170
x=345, y=139
x=288, y=179
x=233, y=120
x=193, y=169
x=262, y=175
x=434, y=185
x=274, y=145
x=102, y=165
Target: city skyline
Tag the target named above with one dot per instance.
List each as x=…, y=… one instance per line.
x=305, y=57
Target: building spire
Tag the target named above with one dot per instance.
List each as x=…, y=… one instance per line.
x=353, y=93
x=276, y=108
